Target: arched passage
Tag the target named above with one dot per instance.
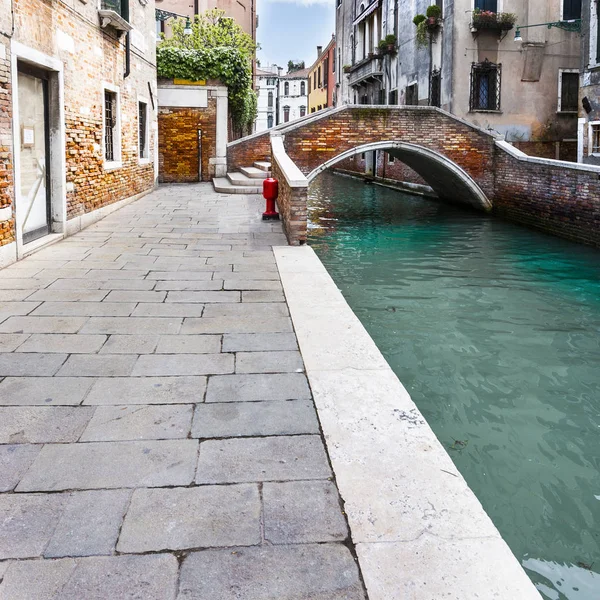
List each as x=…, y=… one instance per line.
x=446, y=178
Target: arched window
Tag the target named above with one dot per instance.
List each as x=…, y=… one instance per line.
x=270, y=101
x=302, y=110
x=303, y=89
x=286, y=89
x=269, y=121
x=286, y=113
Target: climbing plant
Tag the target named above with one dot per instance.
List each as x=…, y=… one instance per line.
x=218, y=48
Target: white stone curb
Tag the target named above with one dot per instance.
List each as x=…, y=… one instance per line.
x=420, y=532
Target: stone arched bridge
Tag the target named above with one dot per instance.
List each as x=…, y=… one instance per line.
x=461, y=162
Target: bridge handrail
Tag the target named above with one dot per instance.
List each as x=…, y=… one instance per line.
x=293, y=175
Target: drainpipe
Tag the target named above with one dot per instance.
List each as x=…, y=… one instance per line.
x=127, y=56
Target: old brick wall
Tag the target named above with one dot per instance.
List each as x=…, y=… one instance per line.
x=253, y=148
x=92, y=56
x=7, y=232
x=292, y=203
x=178, y=142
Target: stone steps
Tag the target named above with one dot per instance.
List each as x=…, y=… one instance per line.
x=248, y=180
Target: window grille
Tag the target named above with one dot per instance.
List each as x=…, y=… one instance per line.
x=485, y=86
x=435, y=81
x=142, y=122
x=110, y=122
x=569, y=92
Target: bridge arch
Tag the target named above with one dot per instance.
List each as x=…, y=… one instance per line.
x=445, y=177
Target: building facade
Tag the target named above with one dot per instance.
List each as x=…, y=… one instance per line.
x=321, y=79
x=589, y=106
x=293, y=96
x=266, y=84
x=466, y=60
x=78, y=126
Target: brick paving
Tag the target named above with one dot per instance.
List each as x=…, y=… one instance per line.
x=158, y=437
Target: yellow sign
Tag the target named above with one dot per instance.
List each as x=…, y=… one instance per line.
x=189, y=82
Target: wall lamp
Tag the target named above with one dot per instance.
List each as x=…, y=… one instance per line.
x=163, y=15
x=570, y=25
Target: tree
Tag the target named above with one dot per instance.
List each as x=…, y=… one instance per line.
x=295, y=65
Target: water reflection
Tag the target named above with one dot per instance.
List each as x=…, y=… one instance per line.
x=494, y=331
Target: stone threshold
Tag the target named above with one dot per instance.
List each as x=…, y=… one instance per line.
x=418, y=529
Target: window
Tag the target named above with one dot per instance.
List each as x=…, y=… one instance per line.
x=325, y=72
x=568, y=82
x=571, y=10
x=143, y=131
x=112, y=127
x=121, y=7
x=315, y=80
x=595, y=138
x=269, y=121
x=302, y=111
x=485, y=86
x=390, y=159
x=393, y=98
x=286, y=89
x=381, y=97
x=302, y=89
x=313, y=109
x=286, y=114
x=333, y=63
x=309, y=79
x=270, y=100
x=412, y=95
x=434, y=88
x=491, y=5
x=594, y=34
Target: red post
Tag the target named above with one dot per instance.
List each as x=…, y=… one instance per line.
x=270, y=193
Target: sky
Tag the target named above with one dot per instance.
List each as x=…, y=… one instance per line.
x=292, y=29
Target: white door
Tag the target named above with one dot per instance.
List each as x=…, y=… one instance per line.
x=33, y=202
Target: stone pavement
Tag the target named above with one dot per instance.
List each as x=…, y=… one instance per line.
x=158, y=438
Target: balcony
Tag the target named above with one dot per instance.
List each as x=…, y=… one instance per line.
x=370, y=68
x=115, y=13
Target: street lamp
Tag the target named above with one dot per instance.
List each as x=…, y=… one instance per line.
x=570, y=25
x=163, y=15
x=188, y=27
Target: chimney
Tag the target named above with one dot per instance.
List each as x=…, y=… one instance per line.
x=319, y=50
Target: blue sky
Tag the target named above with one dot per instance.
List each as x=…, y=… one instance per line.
x=292, y=29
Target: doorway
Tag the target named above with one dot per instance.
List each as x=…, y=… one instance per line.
x=34, y=193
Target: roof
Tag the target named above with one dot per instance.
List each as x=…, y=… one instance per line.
x=302, y=74
x=262, y=73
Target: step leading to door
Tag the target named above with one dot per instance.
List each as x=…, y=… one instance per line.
x=223, y=185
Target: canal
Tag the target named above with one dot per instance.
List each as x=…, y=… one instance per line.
x=495, y=332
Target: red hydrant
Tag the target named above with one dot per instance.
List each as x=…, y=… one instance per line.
x=270, y=192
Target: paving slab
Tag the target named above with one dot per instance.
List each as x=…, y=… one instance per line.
x=203, y=296
x=89, y=524
x=115, y=423
x=303, y=572
x=99, y=465
x=101, y=365
x=137, y=325
x=130, y=344
x=252, y=419
x=260, y=324
x=95, y=578
x=68, y=343
x=189, y=344
x=262, y=296
x=283, y=458
x=42, y=324
x=280, y=361
x=9, y=342
x=14, y=461
x=183, y=364
x=249, y=309
x=257, y=387
x=76, y=295
x=175, y=285
x=257, y=342
x=27, y=522
x=42, y=424
x=36, y=364
x=147, y=390
x=85, y=309
x=24, y=391
x=301, y=512
x=182, y=518
x=128, y=296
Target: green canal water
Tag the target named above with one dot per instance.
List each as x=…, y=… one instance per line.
x=495, y=332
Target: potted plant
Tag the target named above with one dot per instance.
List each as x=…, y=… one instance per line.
x=421, y=22
x=507, y=21
x=347, y=68
x=434, y=17
x=390, y=42
x=484, y=19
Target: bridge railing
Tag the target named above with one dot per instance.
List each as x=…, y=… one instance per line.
x=293, y=192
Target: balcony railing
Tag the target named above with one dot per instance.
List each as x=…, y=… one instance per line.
x=368, y=68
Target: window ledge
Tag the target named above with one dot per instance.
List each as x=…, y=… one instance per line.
x=144, y=161
x=567, y=112
x=484, y=110
x=111, y=165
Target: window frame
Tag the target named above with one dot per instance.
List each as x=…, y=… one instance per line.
x=498, y=5
x=566, y=17
x=286, y=114
x=560, y=109
x=270, y=99
x=144, y=160
x=591, y=126
x=303, y=88
x=286, y=88
x=116, y=162
x=477, y=68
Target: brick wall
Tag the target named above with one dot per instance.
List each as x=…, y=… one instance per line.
x=292, y=204
x=243, y=154
x=7, y=233
x=178, y=142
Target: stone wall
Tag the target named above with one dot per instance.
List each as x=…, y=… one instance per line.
x=178, y=142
